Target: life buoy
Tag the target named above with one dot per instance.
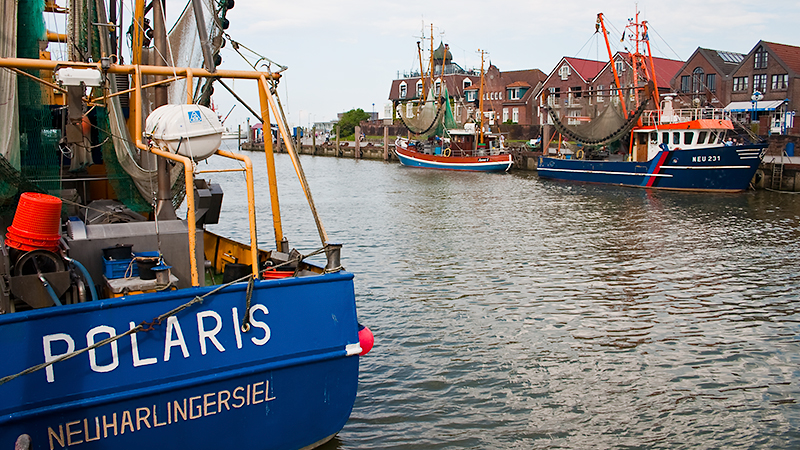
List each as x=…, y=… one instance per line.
x=447, y=152
x=579, y=154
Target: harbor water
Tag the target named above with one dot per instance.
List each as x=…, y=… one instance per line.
x=511, y=312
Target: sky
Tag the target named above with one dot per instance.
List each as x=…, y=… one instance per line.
x=344, y=54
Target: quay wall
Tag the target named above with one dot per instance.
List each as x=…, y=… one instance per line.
x=777, y=172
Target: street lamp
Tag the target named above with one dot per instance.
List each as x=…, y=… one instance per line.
x=757, y=95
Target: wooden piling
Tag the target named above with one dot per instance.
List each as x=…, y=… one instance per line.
x=385, y=143
x=357, y=154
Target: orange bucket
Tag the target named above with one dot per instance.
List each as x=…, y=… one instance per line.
x=37, y=223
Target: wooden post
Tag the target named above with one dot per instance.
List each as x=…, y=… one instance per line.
x=336, y=129
x=357, y=135
x=385, y=143
x=314, y=140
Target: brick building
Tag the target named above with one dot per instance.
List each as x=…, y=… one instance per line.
x=773, y=70
x=706, y=79
x=508, y=96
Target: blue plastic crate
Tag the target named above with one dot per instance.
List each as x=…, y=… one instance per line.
x=116, y=268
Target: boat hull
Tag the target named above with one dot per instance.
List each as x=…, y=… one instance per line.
x=720, y=169
x=493, y=163
x=194, y=381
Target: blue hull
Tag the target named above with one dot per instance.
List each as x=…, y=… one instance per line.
x=194, y=381
x=724, y=169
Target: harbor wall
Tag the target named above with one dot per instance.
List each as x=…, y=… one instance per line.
x=777, y=172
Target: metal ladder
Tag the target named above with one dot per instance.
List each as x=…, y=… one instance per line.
x=777, y=175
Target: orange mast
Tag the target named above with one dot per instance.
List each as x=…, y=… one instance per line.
x=613, y=66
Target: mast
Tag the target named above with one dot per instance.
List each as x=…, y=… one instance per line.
x=613, y=66
x=430, y=64
x=656, y=98
x=480, y=102
x=441, y=86
x=421, y=71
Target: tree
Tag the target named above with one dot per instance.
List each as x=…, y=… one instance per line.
x=349, y=120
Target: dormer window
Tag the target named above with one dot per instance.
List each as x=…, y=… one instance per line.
x=760, y=58
x=563, y=72
x=467, y=83
x=471, y=96
x=438, y=88
x=403, y=89
x=419, y=88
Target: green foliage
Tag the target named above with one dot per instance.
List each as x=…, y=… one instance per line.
x=349, y=120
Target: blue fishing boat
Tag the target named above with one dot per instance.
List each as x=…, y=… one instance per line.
x=125, y=326
x=699, y=160
x=667, y=148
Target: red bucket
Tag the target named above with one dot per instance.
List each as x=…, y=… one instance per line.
x=38, y=216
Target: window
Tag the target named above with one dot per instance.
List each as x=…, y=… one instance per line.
x=403, y=90
x=563, y=72
x=760, y=58
x=505, y=115
x=513, y=94
x=676, y=138
x=780, y=82
x=467, y=83
x=665, y=137
x=760, y=82
x=685, y=87
x=697, y=80
x=688, y=136
x=438, y=88
x=711, y=82
x=600, y=93
x=577, y=91
x=740, y=84
x=515, y=115
x=701, y=138
x=556, y=92
x=471, y=95
x=620, y=66
x=419, y=88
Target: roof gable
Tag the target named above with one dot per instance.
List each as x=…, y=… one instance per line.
x=788, y=54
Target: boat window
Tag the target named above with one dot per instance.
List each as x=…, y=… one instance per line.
x=642, y=139
x=701, y=137
x=665, y=137
x=654, y=137
x=688, y=137
x=676, y=138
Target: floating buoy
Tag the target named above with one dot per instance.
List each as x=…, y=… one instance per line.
x=365, y=339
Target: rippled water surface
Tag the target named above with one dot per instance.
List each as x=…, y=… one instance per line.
x=513, y=313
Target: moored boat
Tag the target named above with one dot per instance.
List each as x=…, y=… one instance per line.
x=125, y=326
x=438, y=143
x=458, y=152
x=667, y=148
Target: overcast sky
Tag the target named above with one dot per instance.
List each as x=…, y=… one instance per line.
x=343, y=54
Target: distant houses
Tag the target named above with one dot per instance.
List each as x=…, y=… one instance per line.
x=760, y=89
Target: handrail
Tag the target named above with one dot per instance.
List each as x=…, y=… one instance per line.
x=251, y=205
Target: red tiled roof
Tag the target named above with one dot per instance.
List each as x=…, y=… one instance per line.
x=665, y=68
x=586, y=68
x=789, y=54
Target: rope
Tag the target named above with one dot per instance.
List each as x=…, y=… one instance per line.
x=141, y=327
x=160, y=319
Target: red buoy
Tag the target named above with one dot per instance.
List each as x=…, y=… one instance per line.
x=365, y=339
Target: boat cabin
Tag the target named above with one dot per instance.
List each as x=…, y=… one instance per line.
x=690, y=136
